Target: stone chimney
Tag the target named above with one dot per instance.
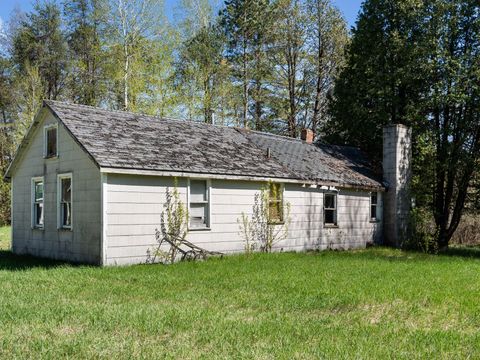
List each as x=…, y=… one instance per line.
x=307, y=135
x=397, y=156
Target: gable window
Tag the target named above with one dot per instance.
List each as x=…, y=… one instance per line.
x=50, y=141
x=64, y=205
x=199, y=204
x=37, y=203
x=373, y=206
x=330, y=209
x=275, y=203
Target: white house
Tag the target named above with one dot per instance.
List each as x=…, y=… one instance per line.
x=89, y=185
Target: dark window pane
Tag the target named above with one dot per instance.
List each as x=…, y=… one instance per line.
x=39, y=214
x=373, y=211
x=66, y=214
x=374, y=199
x=329, y=216
x=51, y=142
x=330, y=201
x=66, y=190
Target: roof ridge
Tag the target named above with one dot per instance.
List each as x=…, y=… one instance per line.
x=179, y=120
x=272, y=134
x=124, y=112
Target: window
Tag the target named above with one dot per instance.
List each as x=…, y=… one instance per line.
x=373, y=206
x=199, y=204
x=64, y=196
x=275, y=203
x=37, y=203
x=50, y=141
x=330, y=209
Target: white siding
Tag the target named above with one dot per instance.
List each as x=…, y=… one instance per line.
x=134, y=205
x=83, y=242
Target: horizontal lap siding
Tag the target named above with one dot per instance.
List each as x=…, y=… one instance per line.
x=134, y=205
x=81, y=244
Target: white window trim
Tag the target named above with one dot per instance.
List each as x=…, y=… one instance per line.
x=331, y=225
x=59, y=197
x=32, y=201
x=45, y=145
x=209, y=194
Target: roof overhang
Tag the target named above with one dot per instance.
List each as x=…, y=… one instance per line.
x=163, y=173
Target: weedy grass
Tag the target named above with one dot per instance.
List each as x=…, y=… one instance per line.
x=374, y=303
x=5, y=237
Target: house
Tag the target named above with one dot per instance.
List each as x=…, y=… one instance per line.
x=89, y=185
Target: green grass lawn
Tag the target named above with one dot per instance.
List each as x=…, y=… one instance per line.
x=376, y=303
x=4, y=237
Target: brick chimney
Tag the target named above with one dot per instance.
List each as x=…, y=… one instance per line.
x=397, y=158
x=307, y=135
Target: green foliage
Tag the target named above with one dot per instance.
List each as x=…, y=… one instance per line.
x=201, y=69
x=173, y=228
x=85, y=22
x=423, y=237
x=261, y=232
x=39, y=42
x=416, y=63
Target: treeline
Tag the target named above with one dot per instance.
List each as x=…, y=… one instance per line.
x=264, y=64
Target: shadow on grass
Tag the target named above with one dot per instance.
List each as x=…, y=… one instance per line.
x=11, y=262
x=463, y=251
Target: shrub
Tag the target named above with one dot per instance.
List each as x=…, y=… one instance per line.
x=258, y=232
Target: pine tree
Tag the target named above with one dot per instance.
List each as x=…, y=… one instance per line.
x=248, y=26
x=41, y=43
x=84, y=23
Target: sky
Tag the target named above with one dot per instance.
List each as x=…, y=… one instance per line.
x=349, y=8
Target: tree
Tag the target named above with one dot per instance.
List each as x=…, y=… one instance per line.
x=40, y=42
x=84, y=19
x=248, y=26
x=132, y=25
x=417, y=63
x=6, y=135
x=326, y=40
x=289, y=57
x=200, y=68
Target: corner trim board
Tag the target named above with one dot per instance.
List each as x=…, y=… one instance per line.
x=103, y=235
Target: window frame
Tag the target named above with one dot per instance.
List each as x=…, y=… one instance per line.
x=34, y=181
x=377, y=217
x=208, y=202
x=282, y=204
x=334, y=209
x=60, y=177
x=46, y=128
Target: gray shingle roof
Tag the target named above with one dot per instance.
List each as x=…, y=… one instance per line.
x=125, y=140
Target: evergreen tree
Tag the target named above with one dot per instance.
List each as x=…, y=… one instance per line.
x=200, y=68
x=40, y=42
x=417, y=63
x=84, y=25
x=248, y=25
